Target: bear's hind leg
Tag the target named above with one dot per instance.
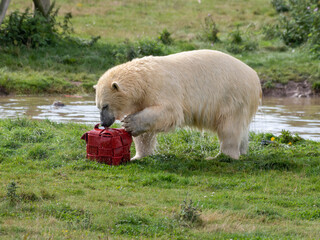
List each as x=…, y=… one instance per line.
x=145, y=145
x=244, y=142
x=230, y=139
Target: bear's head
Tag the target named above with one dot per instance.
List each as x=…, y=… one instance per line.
x=117, y=94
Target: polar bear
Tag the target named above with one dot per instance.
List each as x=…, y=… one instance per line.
x=205, y=89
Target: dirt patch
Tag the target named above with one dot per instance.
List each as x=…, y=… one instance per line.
x=291, y=89
x=3, y=91
x=76, y=83
x=228, y=222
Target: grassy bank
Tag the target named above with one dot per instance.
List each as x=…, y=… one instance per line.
x=130, y=29
x=133, y=19
x=50, y=191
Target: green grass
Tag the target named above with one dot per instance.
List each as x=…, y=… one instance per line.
x=271, y=193
x=49, y=190
x=134, y=19
x=128, y=27
x=73, y=69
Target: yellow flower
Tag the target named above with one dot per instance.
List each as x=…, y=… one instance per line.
x=273, y=138
x=79, y=4
x=290, y=143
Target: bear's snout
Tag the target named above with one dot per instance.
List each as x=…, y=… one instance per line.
x=106, y=117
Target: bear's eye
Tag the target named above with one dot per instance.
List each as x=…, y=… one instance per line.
x=105, y=107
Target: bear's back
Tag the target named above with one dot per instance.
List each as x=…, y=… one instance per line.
x=208, y=84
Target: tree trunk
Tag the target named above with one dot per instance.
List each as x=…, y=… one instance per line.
x=42, y=6
x=3, y=8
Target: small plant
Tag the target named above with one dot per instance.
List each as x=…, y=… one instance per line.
x=235, y=37
x=28, y=197
x=280, y=5
x=45, y=195
x=165, y=37
x=268, y=84
x=210, y=30
x=149, y=47
x=316, y=86
x=238, y=43
x=286, y=137
x=128, y=50
x=189, y=213
x=271, y=31
x=301, y=24
x=34, y=29
x=12, y=193
x=83, y=42
x=76, y=218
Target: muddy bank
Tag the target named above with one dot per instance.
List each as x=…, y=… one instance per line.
x=3, y=91
x=278, y=90
x=291, y=89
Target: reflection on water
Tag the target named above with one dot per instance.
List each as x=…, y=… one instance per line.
x=76, y=109
x=298, y=115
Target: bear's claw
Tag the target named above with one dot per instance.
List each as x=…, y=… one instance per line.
x=132, y=125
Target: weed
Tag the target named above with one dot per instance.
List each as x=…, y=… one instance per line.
x=238, y=43
x=76, y=218
x=271, y=31
x=34, y=30
x=279, y=164
x=316, y=86
x=189, y=213
x=29, y=197
x=45, y=195
x=301, y=24
x=128, y=50
x=12, y=196
x=286, y=137
x=310, y=214
x=236, y=37
x=271, y=214
x=132, y=224
x=83, y=42
x=165, y=37
x=38, y=151
x=149, y=47
x=210, y=30
x=268, y=84
x=280, y=5
x=132, y=219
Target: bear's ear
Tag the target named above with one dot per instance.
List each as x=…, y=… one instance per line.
x=95, y=86
x=115, y=86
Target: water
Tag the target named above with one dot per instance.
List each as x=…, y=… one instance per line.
x=77, y=109
x=298, y=115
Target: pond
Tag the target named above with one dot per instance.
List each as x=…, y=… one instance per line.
x=298, y=115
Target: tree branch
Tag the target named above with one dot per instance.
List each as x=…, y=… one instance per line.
x=42, y=6
x=3, y=8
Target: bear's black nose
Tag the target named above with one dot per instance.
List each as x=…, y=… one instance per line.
x=106, y=117
x=107, y=122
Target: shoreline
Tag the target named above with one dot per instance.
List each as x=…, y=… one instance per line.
x=290, y=90
x=279, y=90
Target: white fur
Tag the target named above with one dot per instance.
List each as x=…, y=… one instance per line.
x=204, y=89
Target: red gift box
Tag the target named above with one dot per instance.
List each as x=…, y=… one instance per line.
x=108, y=145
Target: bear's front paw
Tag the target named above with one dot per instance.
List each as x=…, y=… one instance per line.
x=134, y=125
